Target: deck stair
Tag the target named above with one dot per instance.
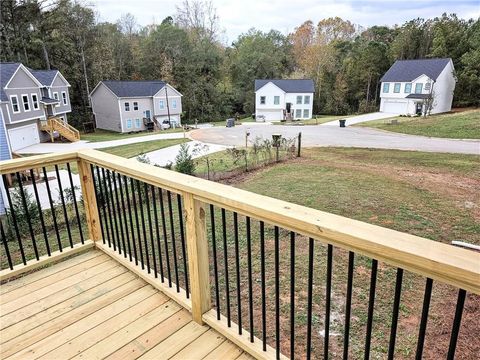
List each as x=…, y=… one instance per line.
x=65, y=130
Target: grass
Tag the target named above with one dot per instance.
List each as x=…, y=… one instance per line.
x=319, y=119
x=461, y=125
x=132, y=150
x=106, y=135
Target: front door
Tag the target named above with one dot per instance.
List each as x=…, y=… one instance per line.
x=418, y=108
x=147, y=114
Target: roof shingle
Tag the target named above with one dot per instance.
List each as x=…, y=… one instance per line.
x=134, y=88
x=288, y=85
x=408, y=70
x=6, y=72
x=45, y=77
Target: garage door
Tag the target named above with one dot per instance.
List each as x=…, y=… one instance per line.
x=23, y=136
x=271, y=115
x=395, y=107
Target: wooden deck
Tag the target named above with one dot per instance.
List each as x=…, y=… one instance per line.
x=91, y=307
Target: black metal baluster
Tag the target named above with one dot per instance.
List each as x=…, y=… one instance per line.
x=215, y=266
x=396, y=307
x=27, y=214
x=165, y=238
x=423, y=322
x=371, y=304
x=98, y=188
x=132, y=228
x=262, y=265
x=114, y=215
x=182, y=238
x=75, y=205
x=348, y=304
x=40, y=212
x=456, y=324
x=292, y=294
x=225, y=256
x=150, y=230
x=277, y=292
x=119, y=214
x=310, y=297
x=52, y=210
x=250, y=283
x=157, y=232
x=137, y=223
x=174, y=245
x=107, y=201
x=142, y=217
x=328, y=299
x=5, y=245
x=64, y=207
x=13, y=217
x=237, y=268
x=124, y=211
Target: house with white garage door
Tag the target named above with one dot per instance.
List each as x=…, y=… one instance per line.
x=130, y=106
x=423, y=86
x=283, y=99
x=33, y=105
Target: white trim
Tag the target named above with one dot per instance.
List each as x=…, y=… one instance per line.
x=170, y=87
x=270, y=82
x=27, y=72
x=56, y=98
x=33, y=102
x=18, y=104
x=65, y=80
x=119, y=113
x=64, y=99
x=101, y=83
x=23, y=103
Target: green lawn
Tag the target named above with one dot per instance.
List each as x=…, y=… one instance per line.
x=106, y=135
x=132, y=150
x=462, y=125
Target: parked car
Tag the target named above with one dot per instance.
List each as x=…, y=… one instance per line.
x=165, y=125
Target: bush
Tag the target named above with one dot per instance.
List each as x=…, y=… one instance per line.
x=22, y=213
x=183, y=161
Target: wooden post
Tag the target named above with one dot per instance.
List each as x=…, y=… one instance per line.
x=299, y=144
x=198, y=263
x=89, y=200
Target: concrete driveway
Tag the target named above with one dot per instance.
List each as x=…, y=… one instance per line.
x=316, y=136
x=361, y=118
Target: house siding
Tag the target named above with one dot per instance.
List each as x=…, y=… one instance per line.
x=172, y=95
x=4, y=155
x=105, y=107
x=143, y=105
x=60, y=86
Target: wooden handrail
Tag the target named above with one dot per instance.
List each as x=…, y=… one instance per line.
x=36, y=161
x=438, y=261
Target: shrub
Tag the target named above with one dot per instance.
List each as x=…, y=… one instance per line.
x=22, y=213
x=184, y=161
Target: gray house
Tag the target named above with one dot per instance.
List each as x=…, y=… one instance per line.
x=28, y=100
x=127, y=106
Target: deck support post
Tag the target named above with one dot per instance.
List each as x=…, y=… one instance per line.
x=89, y=200
x=198, y=263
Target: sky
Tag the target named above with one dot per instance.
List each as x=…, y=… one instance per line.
x=238, y=16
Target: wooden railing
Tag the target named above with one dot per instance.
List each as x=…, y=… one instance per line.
x=64, y=129
x=185, y=235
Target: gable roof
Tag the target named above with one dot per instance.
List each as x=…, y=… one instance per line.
x=133, y=88
x=408, y=70
x=6, y=72
x=288, y=85
x=45, y=77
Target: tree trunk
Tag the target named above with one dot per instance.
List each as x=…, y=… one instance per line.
x=84, y=65
x=45, y=55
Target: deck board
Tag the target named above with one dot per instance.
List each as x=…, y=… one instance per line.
x=91, y=307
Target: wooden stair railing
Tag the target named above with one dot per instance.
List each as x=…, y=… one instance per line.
x=64, y=129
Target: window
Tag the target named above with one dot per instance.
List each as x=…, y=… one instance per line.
x=299, y=99
x=14, y=101
x=306, y=113
x=55, y=96
x=35, y=101
x=162, y=105
x=129, y=123
x=135, y=105
x=408, y=88
x=298, y=113
x=276, y=100
x=418, y=88
x=64, y=98
x=427, y=86
x=386, y=87
x=396, y=88
x=174, y=103
x=137, y=123
x=306, y=99
x=263, y=100
x=127, y=106
x=26, y=103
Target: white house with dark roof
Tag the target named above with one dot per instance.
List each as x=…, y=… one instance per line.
x=28, y=98
x=412, y=87
x=128, y=106
x=289, y=99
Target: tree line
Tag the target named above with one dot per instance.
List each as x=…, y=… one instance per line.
x=345, y=60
